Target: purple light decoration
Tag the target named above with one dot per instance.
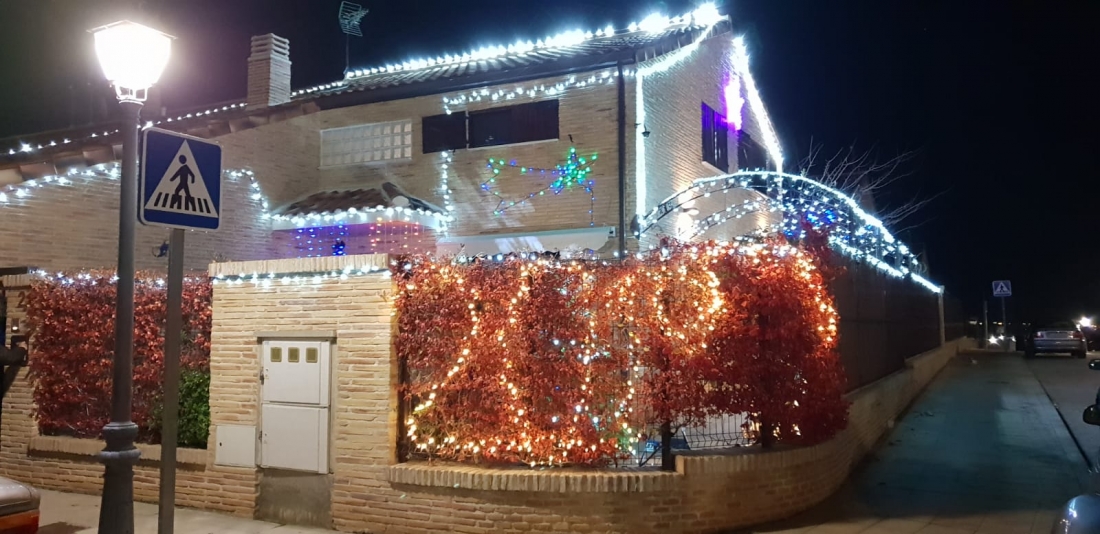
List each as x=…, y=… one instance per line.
x=735, y=103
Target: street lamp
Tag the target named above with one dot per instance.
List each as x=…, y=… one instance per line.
x=132, y=57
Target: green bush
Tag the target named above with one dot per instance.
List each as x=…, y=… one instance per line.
x=194, y=410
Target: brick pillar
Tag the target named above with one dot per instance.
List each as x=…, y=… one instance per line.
x=268, y=71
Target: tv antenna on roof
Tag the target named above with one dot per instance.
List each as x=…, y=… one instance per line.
x=350, y=15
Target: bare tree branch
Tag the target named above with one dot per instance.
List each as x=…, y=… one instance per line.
x=863, y=176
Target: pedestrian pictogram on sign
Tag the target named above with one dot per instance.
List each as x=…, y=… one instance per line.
x=180, y=181
x=1002, y=288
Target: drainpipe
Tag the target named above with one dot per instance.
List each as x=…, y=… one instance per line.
x=622, y=163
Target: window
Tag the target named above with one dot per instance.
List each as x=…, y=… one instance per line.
x=715, y=139
x=521, y=123
x=750, y=155
x=514, y=124
x=444, y=132
x=366, y=143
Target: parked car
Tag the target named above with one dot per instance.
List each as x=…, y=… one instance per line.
x=18, y=508
x=1081, y=515
x=1062, y=337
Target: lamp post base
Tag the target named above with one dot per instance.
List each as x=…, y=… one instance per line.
x=116, y=511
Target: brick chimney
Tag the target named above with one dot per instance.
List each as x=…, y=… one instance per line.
x=268, y=71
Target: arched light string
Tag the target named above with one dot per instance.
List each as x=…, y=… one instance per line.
x=853, y=230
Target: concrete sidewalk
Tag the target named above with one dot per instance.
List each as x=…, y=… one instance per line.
x=981, y=451
x=68, y=513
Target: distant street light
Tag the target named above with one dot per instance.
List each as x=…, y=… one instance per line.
x=1085, y=322
x=132, y=57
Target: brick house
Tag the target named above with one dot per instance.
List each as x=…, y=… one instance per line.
x=554, y=145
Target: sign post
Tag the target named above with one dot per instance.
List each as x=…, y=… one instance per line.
x=1003, y=290
x=181, y=186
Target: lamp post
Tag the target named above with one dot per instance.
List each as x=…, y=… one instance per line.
x=132, y=57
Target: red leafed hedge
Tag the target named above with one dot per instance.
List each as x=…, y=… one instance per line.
x=548, y=362
x=73, y=328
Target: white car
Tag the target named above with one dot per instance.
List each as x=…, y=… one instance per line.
x=18, y=507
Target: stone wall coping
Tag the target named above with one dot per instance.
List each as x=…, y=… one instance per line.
x=324, y=264
x=455, y=476
x=92, y=447
x=317, y=335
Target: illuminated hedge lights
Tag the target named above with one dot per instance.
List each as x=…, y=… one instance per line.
x=538, y=361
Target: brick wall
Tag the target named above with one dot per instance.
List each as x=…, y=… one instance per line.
x=67, y=464
x=372, y=493
x=674, y=88
x=75, y=226
x=289, y=153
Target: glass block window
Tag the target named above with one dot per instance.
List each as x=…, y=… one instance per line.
x=366, y=143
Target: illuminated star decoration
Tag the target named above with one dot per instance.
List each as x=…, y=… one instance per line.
x=573, y=173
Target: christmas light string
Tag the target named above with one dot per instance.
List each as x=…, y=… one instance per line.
x=607, y=298
x=573, y=172
x=853, y=230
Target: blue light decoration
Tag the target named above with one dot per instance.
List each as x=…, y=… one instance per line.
x=569, y=175
x=799, y=199
x=311, y=242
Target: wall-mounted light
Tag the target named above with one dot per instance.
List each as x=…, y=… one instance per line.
x=645, y=130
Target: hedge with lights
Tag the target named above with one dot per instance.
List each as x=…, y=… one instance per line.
x=71, y=320
x=545, y=362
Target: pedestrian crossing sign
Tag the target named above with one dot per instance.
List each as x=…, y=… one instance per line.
x=1002, y=288
x=181, y=181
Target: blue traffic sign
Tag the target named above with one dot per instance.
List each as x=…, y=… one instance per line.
x=1002, y=288
x=181, y=181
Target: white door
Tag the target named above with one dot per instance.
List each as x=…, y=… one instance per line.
x=296, y=372
x=294, y=437
x=294, y=430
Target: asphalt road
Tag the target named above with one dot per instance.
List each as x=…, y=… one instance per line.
x=1071, y=386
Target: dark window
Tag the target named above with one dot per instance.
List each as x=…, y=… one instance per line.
x=514, y=124
x=750, y=155
x=444, y=132
x=715, y=139
x=491, y=127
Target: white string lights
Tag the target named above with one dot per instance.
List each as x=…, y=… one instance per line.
x=267, y=280
x=853, y=231
x=704, y=16
x=29, y=148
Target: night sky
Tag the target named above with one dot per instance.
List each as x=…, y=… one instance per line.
x=997, y=98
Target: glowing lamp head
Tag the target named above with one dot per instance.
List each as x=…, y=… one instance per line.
x=1085, y=322
x=132, y=56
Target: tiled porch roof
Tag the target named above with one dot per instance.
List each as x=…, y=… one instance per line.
x=388, y=195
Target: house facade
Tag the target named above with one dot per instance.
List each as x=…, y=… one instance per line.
x=560, y=145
